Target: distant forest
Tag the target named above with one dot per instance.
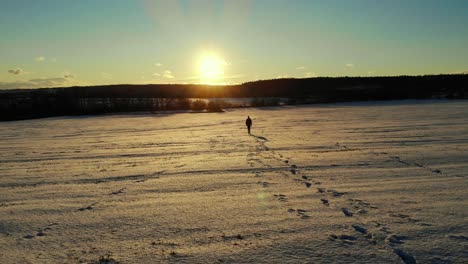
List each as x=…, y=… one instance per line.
x=46, y=102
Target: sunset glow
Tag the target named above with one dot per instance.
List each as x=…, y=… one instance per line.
x=225, y=42
x=211, y=69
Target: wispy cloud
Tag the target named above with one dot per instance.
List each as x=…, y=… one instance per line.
x=282, y=76
x=156, y=74
x=40, y=58
x=167, y=74
x=300, y=67
x=310, y=74
x=371, y=72
x=68, y=76
x=350, y=65
x=67, y=80
x=106, y=75
x=16, y=71
x=158, y=64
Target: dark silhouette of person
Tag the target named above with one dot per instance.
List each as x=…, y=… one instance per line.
x=248, y=123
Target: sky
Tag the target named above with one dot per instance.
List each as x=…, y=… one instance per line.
x=55, y=43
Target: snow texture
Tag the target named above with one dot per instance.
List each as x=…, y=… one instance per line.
x=339, y=183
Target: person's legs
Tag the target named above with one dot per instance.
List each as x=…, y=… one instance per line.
x=248, y=129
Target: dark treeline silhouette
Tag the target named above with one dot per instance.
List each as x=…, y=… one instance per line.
x=44, y=102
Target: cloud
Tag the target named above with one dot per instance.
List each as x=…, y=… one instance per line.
x=106, y=75
x=310, y=74
x=300, y=67
x=282, y=76
x=158, y=64
x=68, y=76
x=370, y=72
x=168, y=74
x=164, y=74
x=16, y=71
x=350, y=65
x=40, y=58
x=53, y=60
x=39, y=83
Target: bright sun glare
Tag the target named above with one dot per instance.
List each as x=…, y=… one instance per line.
x=211, y=69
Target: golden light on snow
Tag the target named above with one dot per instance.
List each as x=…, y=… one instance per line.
x=203, y=190
x=211, y=69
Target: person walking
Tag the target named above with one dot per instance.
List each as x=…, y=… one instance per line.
x=248, y=123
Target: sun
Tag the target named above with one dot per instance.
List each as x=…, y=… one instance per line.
x=211, y=69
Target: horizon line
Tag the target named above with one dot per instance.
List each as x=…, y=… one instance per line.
x=243, y=83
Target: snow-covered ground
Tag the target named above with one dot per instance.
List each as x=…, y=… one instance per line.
x=341, y=183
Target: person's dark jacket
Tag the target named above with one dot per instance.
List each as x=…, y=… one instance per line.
x=248, y=122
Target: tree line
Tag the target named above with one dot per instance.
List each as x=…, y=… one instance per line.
x=33, y=103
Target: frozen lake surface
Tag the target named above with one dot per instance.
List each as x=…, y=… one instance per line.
x=341, y=183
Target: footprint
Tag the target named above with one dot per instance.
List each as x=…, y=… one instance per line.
x=359, y=229
x=321, y=190
x=264, y=184
x=304, y=177
x=308, y=184
x=346, y=212
x=40, y=231
x=89, y=207
x=347, y=237
x=361, y=211
x=324, y=201
x=118, y=191
x=299, y=212
x=293, y=171
x=281, y=197
x=344, y=238
x=302, y=213
x=405, y=256
x=336, y=193
x=360, y=205
x=395, y=239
